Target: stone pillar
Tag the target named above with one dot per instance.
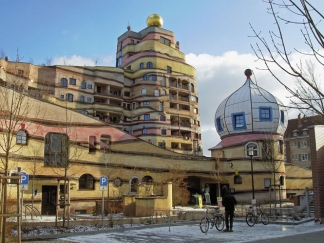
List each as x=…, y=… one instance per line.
x=316, y=135
x=167, y=192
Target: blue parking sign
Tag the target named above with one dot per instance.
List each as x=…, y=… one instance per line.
x=103, y=181
x=24, y=179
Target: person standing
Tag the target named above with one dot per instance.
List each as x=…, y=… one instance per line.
x=229, y=202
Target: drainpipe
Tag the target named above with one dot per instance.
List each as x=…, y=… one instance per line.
x=307, y=201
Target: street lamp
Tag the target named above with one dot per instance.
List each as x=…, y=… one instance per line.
x=250, y=152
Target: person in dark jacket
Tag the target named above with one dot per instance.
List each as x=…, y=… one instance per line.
x=229, y=202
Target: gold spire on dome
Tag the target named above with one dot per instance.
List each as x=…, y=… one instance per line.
x=154, y=20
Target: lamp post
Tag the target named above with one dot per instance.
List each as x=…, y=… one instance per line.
x=250, y=151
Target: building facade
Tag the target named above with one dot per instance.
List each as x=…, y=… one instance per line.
x=297, y=140
x=151, y=93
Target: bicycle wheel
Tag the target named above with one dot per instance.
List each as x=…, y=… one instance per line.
x=219, y=223
x=204, y=225
x=250, y=219
x=264, y=218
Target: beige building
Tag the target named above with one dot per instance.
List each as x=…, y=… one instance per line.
x=297, y=140
x=151, y=93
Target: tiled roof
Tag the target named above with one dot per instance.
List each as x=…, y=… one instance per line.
x=298, y=126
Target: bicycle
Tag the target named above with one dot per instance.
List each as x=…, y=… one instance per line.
x=252, y=217
x=216, y=220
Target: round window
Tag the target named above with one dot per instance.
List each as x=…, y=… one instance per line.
x=118, y=182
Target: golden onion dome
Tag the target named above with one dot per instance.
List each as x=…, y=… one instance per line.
x=154, y=20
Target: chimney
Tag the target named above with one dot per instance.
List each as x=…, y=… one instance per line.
x=299, y=119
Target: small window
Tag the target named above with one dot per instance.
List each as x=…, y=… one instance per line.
x=157, y=92
x=142, y=65
x=144, y=130
x=134, y=106
x=89, y=86
x=149, y=65
x=62, y=96
x=64, y=82
x=89, y=99
x=303, y=157
x=118, y=182
x=154, y=78
x=280, y=147
x=161, y=106
x=163, y=92
x=219, y=125
x=147, y=179
x=84, y=112
x=132, y=42
x=195, y=110
x=83, y=85
x=72, y=81
x=265, y=113
x=163, y=132
x=251, y=146
x=69, y=97
x=238, y=121
x=86, y=181
x=237, y=179
x=146, y=77
x=282, y=117
x=267, y=182
x=146, y=117
x=143, y=91
x=146, y=102
x=303, y=144
x=169, y=69
x=161, y=144
x=21, y=137
x=162, y=118
x=82, y=98
x=20, y=73
x=165, y=41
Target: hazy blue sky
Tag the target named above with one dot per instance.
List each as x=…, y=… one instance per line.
x=212, y=33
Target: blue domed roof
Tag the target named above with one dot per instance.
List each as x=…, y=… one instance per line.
x=251, y=109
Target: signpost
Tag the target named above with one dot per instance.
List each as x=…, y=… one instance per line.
x=103, y=187
x=24, y=180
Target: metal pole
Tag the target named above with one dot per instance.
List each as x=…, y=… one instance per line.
x=102, y=208
x=22, y=202
x=252, y=178
x=19, y=213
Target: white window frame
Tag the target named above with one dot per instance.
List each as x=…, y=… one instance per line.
x=304, y=157
x=246, y=149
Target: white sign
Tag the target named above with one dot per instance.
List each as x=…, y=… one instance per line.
x=103, y=188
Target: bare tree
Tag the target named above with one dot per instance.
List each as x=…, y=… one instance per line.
x=308, y=95
x=34, y=167
x=15, y=111
x=61, y=154
x=273, y=159
x=176, y=175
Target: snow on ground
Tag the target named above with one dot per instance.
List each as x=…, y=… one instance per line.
x=192, y=233
x=139, y=232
